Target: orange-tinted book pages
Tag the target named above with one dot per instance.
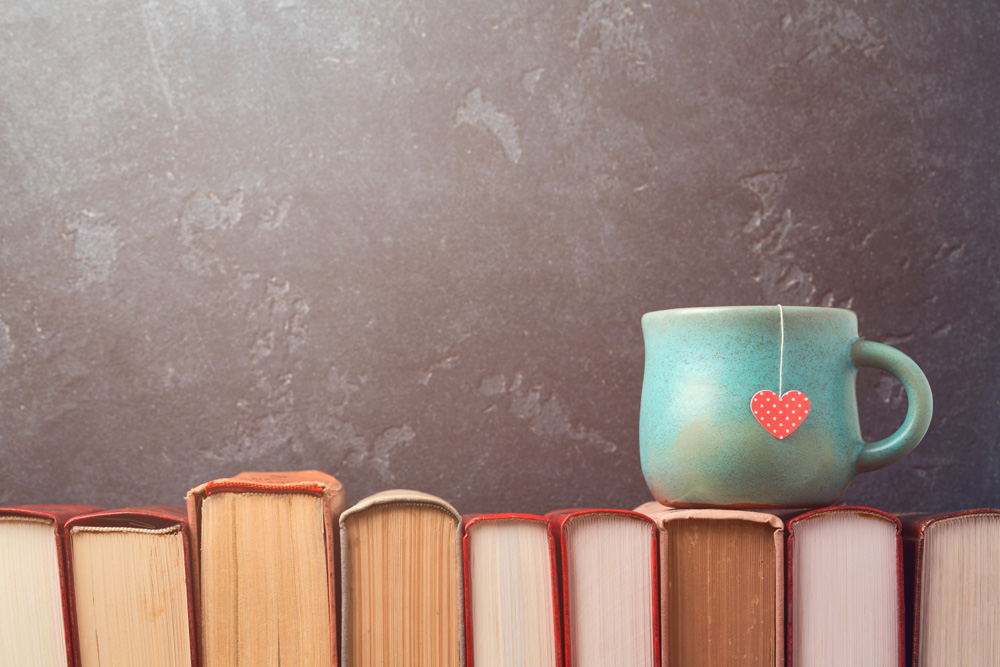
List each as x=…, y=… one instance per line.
x=130, y=588
x=402, y=582
x=721, y=587
x=844, y=595
x=34, y=609
x=266, y=568
x=954, y=567
x=512, y=615
x=609, y=566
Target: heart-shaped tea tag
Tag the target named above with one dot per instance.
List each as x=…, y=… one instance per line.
x=780, y=415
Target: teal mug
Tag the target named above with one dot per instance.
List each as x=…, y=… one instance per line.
x=706, y=435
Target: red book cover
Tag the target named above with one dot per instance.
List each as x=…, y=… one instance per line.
x=470, y=520
x=790, y=526
x=149, y=516
x=558, y=521
x=310, y=482
x=59, y=515
x=914, y=527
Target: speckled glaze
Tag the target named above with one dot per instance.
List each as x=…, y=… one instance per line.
x=699, y=441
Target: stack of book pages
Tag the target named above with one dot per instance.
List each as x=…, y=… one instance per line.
x=266, y=569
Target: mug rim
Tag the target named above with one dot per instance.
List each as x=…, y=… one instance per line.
x=747, y=310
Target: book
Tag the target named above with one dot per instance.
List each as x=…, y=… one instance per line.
x=609, y=567
x=721, y=586
x=512, y=615
x=34, y=609
x=130, y=588
x=266, y=568
x=845, y=588
x=953, y=568
x=402, y=593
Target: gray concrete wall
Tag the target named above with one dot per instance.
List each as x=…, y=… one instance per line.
x=409, y=243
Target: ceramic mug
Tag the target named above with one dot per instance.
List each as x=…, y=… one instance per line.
x=701, y=443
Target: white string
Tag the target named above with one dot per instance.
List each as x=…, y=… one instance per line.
x=781, y=358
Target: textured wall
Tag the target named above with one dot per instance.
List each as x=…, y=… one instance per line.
x=410, y=242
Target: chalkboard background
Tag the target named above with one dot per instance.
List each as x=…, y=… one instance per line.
x=409, y=243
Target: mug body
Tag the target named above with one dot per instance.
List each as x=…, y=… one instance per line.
x=700, y=443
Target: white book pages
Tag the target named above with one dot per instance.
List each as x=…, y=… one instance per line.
x=511, y=594
x=611, y=590
x=845, y=592
x=960, y=599
x=31, y=611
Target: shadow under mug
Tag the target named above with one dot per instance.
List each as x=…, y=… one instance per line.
x=701, y=444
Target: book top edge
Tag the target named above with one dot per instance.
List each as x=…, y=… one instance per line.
x=148, y=518
x=561, y=517
x=857, y=510
x=57, y=514
x=470, y=520
x=662, y=514
x=401, y=497
x=174, y=529
x=298, y=481
x=917, y=522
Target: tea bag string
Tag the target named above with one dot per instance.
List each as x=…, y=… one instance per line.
x=781, y=357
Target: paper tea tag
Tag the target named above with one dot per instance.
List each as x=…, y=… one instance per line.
x=780, y=415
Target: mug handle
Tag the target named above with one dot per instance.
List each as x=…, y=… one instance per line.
x=920, y=404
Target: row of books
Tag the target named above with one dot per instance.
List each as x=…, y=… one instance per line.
x=267, y=569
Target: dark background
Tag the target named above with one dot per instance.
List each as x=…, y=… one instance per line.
x=409, y=243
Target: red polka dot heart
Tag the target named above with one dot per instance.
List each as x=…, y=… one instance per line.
x=780, y=415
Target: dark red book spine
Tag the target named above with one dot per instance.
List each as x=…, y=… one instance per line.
x=310, y=482
x=557, y=527
x=790, y=581
x=913, y=542
x=59, y=514
x=149, y=516
x=468, y=521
